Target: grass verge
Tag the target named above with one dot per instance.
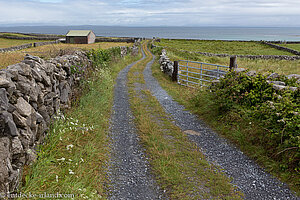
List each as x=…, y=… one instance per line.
x=180, y=168
x=239, y=130
x=74, y=157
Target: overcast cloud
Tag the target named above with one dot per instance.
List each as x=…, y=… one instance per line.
x=151, y=12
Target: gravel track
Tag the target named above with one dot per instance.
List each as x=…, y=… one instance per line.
x=129, y=170
x=249, y=178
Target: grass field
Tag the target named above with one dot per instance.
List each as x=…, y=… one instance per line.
x=14, y=34
x=259, y=65
x=5, y=43
x=52, y=50
x=291, y=46
x=221, y=47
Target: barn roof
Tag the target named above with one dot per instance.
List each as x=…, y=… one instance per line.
x=79, y=32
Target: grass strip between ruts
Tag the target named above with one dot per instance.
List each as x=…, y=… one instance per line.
x=179, y=166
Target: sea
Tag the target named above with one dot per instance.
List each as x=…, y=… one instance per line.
x=202, y=33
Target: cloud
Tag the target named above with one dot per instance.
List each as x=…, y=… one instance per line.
x=152, y=12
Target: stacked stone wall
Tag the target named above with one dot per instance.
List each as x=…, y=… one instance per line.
x=282, y=48
x=16, y=48
x=32, y=93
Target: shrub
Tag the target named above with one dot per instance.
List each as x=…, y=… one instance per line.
x=102, y=57
x=275, y=111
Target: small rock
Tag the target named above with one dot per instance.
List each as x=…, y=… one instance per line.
x=278, y=87
x=36, y=75
x=251, y=73
x=296, y=76
x=17, y=147
x=273, y=76
x=7, y=124
x=276, y=82
x=4, y=83
x=4, y=157
x=3, y=99
x=19, y=120
x=238, y=70
x=293, y=88
x=39, y=118
x=31, y=156
x=23, y=107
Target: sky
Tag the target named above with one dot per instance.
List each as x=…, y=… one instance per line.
x=251, y=13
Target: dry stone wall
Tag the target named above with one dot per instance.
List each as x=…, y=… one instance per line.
x=282, y=48
x=25, y=46
x=31, y=93
x=37, y=44
x=16, y=48
x=264, y=57
x=30, y=38
x=166, y=65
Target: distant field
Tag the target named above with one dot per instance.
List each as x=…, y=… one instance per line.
x=5, y=43
x=259, y=65
x=220, y=47
x=15, y=34
x=49, y=51
x=291, y=46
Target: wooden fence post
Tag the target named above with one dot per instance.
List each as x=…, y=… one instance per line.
x=233, y=63
x=175, y=71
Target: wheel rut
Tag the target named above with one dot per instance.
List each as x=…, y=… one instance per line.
x=247, y=176
x=129, y=172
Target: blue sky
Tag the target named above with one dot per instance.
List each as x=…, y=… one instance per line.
x=151, y=12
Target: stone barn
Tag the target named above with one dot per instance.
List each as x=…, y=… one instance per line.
x=80, y=37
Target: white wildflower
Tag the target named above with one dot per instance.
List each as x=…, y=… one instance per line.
x=70, y=146
x=61, y=159
x=56, y=177
x=250, y=123
x=70, y=160
x=71, y=172
x=81, y=160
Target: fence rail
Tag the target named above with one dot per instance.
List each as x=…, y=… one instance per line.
x=192, y=73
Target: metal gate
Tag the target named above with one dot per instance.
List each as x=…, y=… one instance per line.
x=192, y=73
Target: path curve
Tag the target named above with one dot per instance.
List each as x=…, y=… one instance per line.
x=251, y=179
x=129, y=170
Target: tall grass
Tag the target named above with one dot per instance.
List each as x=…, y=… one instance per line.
x=75, y=154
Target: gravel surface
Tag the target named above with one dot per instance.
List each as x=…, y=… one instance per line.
x=129, y=170
x=249, y=178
